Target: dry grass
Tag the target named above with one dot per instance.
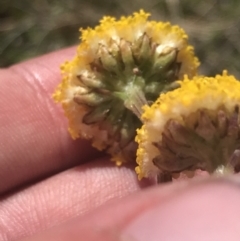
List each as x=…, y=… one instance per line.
x=33, y=27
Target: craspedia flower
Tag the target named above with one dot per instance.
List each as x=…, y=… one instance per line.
x=196, y=126
x=120, y=66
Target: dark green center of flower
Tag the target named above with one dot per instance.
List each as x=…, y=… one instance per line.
x=123, y=77
x=207, y=140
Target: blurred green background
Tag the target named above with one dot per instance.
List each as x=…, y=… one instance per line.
x=32, y=27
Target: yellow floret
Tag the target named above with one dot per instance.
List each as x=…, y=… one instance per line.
x=109, y=61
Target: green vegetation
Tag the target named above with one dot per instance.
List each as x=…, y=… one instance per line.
x=32, y=27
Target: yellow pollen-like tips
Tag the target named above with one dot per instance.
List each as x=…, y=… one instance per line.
x=193, y=127
x=121, y=65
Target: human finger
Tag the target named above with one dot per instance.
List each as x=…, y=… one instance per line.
x=200, y=211
x=34, y=142
x=64, y=196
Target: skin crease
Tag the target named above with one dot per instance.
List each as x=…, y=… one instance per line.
x=53, y=188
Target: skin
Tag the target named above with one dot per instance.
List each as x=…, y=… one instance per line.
x=54, y=188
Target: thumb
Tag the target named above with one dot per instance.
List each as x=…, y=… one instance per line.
x=206, y=210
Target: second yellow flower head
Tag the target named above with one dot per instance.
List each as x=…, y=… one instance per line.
x=196, y=126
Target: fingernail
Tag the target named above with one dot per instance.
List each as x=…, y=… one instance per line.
x=234, y=178
x=209, y=212
x=146, y=227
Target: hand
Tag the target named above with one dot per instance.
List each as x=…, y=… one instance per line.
x=54, y=188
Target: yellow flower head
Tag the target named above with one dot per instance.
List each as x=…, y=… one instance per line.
x=121, y=65
x=193, y=127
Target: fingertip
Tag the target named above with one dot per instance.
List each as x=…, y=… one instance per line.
x=205, y=211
